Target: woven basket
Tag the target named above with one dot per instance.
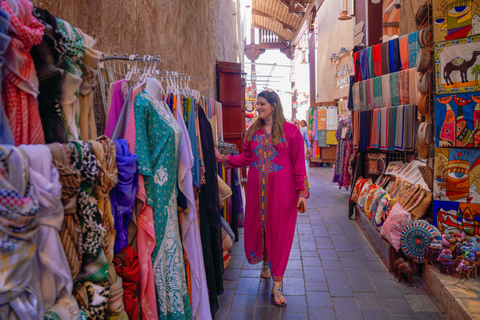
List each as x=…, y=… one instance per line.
x=427, y=175
x=424, y=104
x=224, y=191
x=421, y=205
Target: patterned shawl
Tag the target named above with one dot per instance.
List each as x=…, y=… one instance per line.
x=363, y=95
x=403, y=87
x=364, y=64
x=391, y=128
x=105, y=152
x=386, y=100
x=404, y=57
x=92, y=298
x=128, y=267
x=377, y=60
x=356, y=129
x=412, y=86
x=356, y=96
x=356, y=65
x=375, y=129
x=413, y=48
x=377, y=92
x=125, y=192
x=370, y=94
x=371, y=73
x=394, y=91
x=410, y=127
x=20, y=84
x=383, y=128
x=18, y=227
x=399, y=127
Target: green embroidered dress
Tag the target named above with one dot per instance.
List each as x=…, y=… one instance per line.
x=156, y=145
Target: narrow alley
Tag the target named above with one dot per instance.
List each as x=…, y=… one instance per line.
x=333, y=273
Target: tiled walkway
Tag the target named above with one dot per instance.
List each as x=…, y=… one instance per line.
x=333, y=273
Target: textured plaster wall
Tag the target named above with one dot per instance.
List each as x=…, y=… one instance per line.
x=408, y=12
x=332, y=35
x=190, y=35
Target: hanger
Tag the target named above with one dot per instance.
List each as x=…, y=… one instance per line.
x=129, y=74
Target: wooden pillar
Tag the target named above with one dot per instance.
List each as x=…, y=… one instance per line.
x=311, y=61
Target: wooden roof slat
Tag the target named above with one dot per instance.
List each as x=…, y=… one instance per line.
x=272, y=25
x=277, y=10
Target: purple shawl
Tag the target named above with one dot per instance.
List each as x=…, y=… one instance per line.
x=125, y=192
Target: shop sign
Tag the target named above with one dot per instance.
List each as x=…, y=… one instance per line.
x=343, y=73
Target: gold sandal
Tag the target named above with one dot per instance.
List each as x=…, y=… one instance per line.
x=277, y=292
x=265, y=274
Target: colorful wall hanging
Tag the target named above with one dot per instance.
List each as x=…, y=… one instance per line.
x=322, y=138
x=457, y=175
x=332, y=119
x=455, y=19
x=457, y=65
x=322, y=119
x=331, y=139
x=457, y=120
x=454, y=217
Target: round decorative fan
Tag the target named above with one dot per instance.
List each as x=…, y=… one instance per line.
x=416, y=236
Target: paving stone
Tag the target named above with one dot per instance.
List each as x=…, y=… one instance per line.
x=349, y=316
x=294, y=286
x=264, y=298
x=308, y=246
x=247, y=265
x=316, y=313
x=369, y=301
x=311, y=262
x=373, y=266
x=319, y=299
x=293, y=273
x=335, y=274
x=398, y=307
x=250, y=273
x=339, y=287
x=248, y=286
x=351, y=263
x=421, y=303
x=388, y=291
x=270, y=313
x=366, y=255
x=362, y=287
x=346, y=254
x=430, y=315
x=310, y=254
x=231, y=274
x=243, y=302
x=295, y=304
x=293, y=316
x=316, y=286
x=345, y=306
x=294, y=264
x=237, y=260
x=314, y=274
x=375, y=314
x=332, y=265
x=227, y=284
x=307, y=237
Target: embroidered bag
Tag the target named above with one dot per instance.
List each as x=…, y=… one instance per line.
x=393, y=226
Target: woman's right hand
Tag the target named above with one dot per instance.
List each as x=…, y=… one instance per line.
x=218, y=156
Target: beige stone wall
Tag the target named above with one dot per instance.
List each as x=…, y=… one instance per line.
x=407, y=16
x=190, y=35
x=332, y=35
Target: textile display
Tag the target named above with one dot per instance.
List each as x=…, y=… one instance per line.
x=399, y=127
x=403, y=87
x=374, y=139
x=322, y=138
x=393, y=226
x=332, y=119
x=363, y=95
x=370, y=94
x=322, y=119
x=383, y=113
x=394, y=55
x=364, y=67
x=456, y=67
x=457, y=173
x=386, y=92
x=413, y=48
x=394, y=90
x=357, y=66
x=455, y=19
x=370, y=62
x=315, y=125
x=377, y=93
x=404, y=55
x=330, y=138
x=391, y=128
x=385, y=58
x=377, y=60
x=457, y=120
x=356, y=129
x=456, y=217
x=412, y=85
x=356, y=96
x=410, y=127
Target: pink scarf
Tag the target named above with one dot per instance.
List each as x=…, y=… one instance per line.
x=20, y=85
x=118, y=99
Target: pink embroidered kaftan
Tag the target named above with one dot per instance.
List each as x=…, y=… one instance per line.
x=276, y=178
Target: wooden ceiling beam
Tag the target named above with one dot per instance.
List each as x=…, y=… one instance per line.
x=304, y=24
x=296, y=8
x=264, y=28
x=263, y=14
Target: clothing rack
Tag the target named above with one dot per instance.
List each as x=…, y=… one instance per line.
x=115, y=68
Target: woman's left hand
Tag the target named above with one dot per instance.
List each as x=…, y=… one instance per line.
x=302, y=200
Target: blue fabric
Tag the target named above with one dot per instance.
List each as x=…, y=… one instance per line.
x=394, y=55
x=305, y=137
x=192, y=134
x=6, y=136
x=364, y=64
x=413, y=48
x=124, y=194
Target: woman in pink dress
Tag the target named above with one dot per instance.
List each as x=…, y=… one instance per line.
x=277, y=184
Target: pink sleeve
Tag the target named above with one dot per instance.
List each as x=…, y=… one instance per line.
x=297, y=155
x=242, y=160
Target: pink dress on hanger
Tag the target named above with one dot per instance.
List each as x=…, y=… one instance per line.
x=276, y=178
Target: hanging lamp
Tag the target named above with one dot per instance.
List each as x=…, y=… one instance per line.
x=344, y=15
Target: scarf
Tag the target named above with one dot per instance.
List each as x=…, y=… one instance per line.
x=403, y=87
x=128, y=268
x=125, y=192
x=115, y=308
x=377, y=92
x=410, y=127
x=362, y=90
x=18, y=227
x=104, y=150
x=363, y=121
x=404, y=55
x=71, y=233
x=20, y=85
x=6, y=136
x=51, y=260
x=364, y=64
x=391, y=128
x=92, y=298
x=394, y=91
x=383, y=128
x=399, y=127
x=356, y=129
x=356, y=96
x=412, y=85
x=370, y=94
x=357, y=66
x=370, y=62
x=375, y=129
x=350, y=93
x=385, y=58
x=386, y=100
x=115, y=107
x=394, y=55
x=413, y=48
x=377, y=60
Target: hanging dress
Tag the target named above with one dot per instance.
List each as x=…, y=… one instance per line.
x=156, y=145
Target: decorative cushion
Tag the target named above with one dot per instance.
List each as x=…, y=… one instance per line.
x=420, y=207
x=375, y=204
x=393, y=226
x=363, y=194
x=383, y=210
x=416, y=236
x=369, y=204
x=369, y=197
x=356, y=190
